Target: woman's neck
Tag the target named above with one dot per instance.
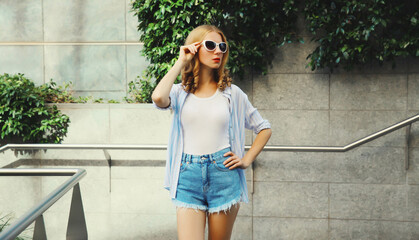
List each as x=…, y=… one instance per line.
x=206, y=77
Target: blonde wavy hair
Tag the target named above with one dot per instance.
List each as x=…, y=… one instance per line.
x=190, y=73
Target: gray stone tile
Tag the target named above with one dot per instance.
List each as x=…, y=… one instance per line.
x=349, y=126
x=56, y=223
x=140, y=196
x=69, y=156
x=132, y=33
x=246, y=209
x=92, y=122
x=292, y=91
x=94, y=192
x=413, y=92
x=95, y=20
x=136, y=64
x=413, y=171
x=413, y=203
x=149, y=127
x=368, y=165
x=89, y=68
x=414, y=130
x=359, y=165
x=23, y=59
x=21, y=21
x=10, y=156
x=19, y=194
x=413, y=63
x=288, y=199
x=368, y=92
x=402, y=66
x=242, y=229
x=147, y=173
x=413, y=230
x=127, y=155
x=289, y=228
x=372, y=230
x=368, y=201
x=298, y=127
x=98, y=225
x=249, y=137
x=245, y=84
x=92, y=173
x=291, y=58
x=302, y=26
x=292, y=166
x=142, y=226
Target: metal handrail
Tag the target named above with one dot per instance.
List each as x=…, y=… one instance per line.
x=35, y=213
x=345, y=148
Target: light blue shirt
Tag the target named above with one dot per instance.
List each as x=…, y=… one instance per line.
x=242, y=115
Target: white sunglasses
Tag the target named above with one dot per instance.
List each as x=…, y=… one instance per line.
x=211, y=46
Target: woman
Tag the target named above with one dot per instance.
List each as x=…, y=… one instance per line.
x=205, y=158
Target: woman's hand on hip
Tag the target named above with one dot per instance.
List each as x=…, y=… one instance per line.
x=234, y=161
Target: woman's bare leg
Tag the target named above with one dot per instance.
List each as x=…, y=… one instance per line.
x=220, y=226
x=190, y=224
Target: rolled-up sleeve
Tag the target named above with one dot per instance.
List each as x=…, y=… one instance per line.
x=253, y=119
x=172, y=99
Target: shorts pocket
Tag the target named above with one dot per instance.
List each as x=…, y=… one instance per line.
x=220, y=166
x=184, y=166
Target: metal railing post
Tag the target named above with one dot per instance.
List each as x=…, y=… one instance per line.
x=76, y=228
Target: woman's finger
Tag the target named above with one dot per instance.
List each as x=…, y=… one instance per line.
x=228, y=153
x=184, y=49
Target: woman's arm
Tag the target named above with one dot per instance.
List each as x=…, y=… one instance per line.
x=257, y=146
x=161, y=93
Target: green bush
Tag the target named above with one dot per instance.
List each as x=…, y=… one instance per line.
x=253, y=29
x=355, y=32
x=140, y=90
x=23, y=114
x=53, y=93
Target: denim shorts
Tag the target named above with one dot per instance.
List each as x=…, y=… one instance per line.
x=206, y=184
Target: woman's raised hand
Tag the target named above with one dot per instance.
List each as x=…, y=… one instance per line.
x=187, y=52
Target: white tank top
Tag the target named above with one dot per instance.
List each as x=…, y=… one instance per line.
x=205, y=124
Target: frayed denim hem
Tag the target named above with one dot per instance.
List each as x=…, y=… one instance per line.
x=225, y=207
x=180, y=204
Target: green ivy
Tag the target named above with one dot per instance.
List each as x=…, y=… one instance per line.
x=23, y=113
x=253, y=29
x=356, y=32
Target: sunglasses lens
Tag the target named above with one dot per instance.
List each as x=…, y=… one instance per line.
x=210, y=45
x=223, y=47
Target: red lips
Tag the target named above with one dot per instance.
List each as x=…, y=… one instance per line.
x=216, y=59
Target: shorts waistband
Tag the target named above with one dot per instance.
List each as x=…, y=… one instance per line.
x=206, y=157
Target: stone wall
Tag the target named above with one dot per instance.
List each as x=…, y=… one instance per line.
x=94, y=44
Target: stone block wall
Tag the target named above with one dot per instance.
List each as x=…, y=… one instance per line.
x=93, y=44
